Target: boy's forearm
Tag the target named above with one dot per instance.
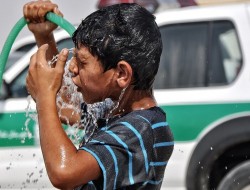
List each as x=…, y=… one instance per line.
x=57, y=148
x=50, y=40
x=66, y=167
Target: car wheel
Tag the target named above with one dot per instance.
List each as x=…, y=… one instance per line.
x=237, y=179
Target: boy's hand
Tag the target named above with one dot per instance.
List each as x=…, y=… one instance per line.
x=35, y=11
x=43, y=81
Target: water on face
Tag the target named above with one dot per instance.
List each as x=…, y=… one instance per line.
x=69, y=98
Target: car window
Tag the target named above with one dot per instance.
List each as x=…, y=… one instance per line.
x=183, y=58
x=18, y=86
x=13, y=57
x=198, y=55
x=226, y=57
x=26, y=47
x=65, y=43
x=3, y=91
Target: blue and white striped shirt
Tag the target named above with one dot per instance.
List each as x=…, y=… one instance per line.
x=132, y=151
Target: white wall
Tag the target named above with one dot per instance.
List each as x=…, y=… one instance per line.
x=12, y=10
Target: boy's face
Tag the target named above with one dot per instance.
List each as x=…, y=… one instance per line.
x=94, y=84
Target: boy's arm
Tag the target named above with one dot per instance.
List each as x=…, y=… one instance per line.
x=34, y=12
x=66, y=167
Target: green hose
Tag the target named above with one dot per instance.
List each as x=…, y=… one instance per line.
x=18, y=27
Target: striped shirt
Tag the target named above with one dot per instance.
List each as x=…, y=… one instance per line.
x=132, y=151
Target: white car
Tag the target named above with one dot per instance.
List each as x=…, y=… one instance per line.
x=202, y=85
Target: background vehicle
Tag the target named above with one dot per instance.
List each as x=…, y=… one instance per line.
x=202, y=84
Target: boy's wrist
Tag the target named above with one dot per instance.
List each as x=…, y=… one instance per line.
x=43, y=38
x=45, y=101
x=47, y=39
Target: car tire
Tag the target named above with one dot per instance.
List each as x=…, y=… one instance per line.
x=237, y=179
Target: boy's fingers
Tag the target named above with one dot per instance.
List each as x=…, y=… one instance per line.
x=41, y=55
x=35, y=11
x=57, y=11
x=32, y=13
x=62, y=58
x=32, y=61
x=44, y=8
x=26, y=11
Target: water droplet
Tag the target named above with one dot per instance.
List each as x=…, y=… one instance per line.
x=181, y=151
x=211, y=148
x=23, y=140
x=30, y=175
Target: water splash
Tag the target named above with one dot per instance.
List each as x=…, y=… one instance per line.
x=91, y=113
x=30, y=116
x=55, y=57
x=116, y=105
x=69, y=98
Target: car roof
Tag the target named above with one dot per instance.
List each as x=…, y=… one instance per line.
x=200, y=13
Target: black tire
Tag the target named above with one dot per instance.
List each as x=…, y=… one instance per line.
x=237, y=179
x=202, y=168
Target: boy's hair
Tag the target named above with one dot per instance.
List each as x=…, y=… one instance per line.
x=123, y=32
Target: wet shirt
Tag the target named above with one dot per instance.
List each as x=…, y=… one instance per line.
x=132, y=151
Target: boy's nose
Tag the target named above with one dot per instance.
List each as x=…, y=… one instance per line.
x=73, y=68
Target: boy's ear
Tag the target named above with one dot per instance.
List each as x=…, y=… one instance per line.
x=124, y=74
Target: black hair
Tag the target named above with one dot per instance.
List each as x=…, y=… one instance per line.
x=126, y=32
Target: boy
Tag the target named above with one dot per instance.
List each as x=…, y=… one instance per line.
x=116, y=56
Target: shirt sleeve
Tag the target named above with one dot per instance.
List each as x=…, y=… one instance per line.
x=123, y=153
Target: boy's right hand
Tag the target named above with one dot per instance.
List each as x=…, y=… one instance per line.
x=35, y=11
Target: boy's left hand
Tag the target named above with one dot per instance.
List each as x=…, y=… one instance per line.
x=42, y=80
